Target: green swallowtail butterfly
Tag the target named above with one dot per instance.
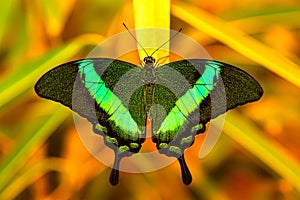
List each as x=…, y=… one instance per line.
x=117, y=97
x=93, y=80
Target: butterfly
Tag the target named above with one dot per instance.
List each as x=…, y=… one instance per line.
x=118, y=97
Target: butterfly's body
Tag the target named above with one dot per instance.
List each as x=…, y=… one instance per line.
x=117, y=97
x=148, y=77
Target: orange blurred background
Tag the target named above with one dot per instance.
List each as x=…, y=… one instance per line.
x=42, y=157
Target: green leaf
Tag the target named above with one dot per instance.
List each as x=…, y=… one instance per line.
x=239, y=41
x=29, y=175
x=251, y=138
x=23, y=80
x=29, y=144
x=5, y=15
x=145, y=13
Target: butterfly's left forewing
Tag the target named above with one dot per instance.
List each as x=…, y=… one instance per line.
x=100, y=90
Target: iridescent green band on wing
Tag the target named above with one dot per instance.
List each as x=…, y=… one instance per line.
x=107, y=100
x=189, y=102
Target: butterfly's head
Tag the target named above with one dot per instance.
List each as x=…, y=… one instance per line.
x=149, y=60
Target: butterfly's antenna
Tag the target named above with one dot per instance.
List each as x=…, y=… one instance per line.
x=135, y=39
x=166, y=41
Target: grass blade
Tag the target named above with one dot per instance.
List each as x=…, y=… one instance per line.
x=239, y=41
x=24, y=80
x=31, y=142
x=145, y=13
x=30, y=175
x=263, y=148
x=5, y=15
